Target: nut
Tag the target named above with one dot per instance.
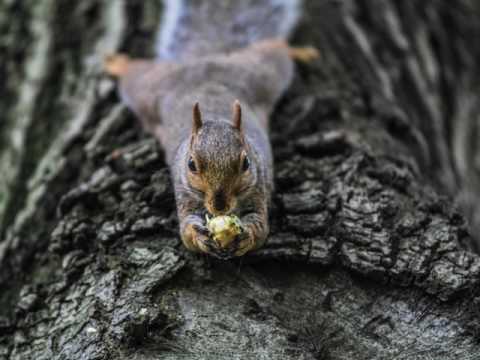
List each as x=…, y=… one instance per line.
x=224, y=229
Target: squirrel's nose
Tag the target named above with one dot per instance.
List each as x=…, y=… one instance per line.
x=219, y=201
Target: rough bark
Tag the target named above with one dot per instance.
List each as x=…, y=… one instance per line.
x=369, y=257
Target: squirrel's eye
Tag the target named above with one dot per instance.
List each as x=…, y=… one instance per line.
x=246, y=164
x=191, y=165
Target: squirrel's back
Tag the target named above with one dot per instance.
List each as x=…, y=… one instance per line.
x=193, y=28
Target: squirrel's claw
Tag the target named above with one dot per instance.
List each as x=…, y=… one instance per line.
x=203, y=244
x=201, y=230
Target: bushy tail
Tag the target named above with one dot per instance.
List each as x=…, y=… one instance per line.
x=193, y=28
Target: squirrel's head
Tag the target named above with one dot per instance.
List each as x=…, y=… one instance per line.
x=219, y=163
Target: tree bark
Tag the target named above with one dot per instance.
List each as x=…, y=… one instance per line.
x=370, y=254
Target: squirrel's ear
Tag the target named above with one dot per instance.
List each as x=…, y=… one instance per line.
x=237, y=115
x=197, y=118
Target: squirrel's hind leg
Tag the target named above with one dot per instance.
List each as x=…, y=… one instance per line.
x=140, y=84
x=303, y=54
x=117, y=65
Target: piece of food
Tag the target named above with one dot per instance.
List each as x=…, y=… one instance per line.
x=224, y=229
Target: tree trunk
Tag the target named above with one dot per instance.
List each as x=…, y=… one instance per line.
x=368, y=256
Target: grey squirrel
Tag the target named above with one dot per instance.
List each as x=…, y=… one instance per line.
x=207, y=98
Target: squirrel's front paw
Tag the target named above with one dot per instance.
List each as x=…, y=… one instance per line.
x=198, y=239
x=203, y=241
x=244, y=243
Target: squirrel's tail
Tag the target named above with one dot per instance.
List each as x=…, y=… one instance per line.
x=193, y=28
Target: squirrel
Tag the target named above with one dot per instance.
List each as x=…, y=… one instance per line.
x=207, y=98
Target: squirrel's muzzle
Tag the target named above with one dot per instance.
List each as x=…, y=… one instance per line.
x=219, y=201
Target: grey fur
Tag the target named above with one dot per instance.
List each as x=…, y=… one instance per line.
x=197, y=28
x=163, y=95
